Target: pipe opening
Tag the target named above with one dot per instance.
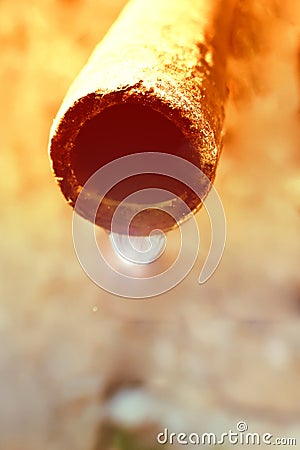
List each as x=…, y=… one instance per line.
x=122, y=130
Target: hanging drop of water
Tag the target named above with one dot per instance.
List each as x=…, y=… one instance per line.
x=139, y=249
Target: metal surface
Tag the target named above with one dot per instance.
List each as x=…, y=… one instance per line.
x=162, y=67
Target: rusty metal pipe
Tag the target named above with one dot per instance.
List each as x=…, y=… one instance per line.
x=157, y=82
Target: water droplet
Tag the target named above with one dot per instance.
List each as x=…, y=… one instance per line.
x=139, y=249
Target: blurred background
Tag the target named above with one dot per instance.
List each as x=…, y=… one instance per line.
x=82, y=369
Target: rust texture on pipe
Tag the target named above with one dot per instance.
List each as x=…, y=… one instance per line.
x=155, y=83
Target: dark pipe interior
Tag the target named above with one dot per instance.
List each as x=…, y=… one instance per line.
x=122, y=130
